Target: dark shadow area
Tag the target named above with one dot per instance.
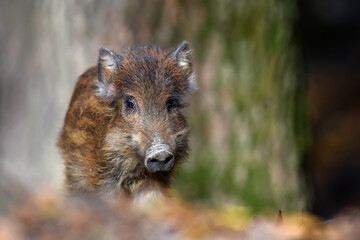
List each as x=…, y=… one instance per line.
x=329, y=32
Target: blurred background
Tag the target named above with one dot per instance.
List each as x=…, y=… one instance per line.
x=275, y=123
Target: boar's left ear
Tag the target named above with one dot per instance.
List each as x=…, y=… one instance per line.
x=108, y=65
x=182, y=56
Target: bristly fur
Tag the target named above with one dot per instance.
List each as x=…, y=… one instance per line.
x=118, y=109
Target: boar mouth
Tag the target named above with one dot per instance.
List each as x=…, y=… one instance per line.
x=159, y=158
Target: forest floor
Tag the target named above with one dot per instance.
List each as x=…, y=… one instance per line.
x=48, y=215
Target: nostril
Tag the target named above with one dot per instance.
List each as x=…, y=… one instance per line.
x=152, y=160
x=168, y=159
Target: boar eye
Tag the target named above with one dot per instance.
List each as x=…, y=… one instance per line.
x=172, y=104
x=130, y=104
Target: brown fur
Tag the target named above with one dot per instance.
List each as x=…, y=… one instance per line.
x=105, y=138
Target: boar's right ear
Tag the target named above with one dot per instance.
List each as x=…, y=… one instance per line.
x=108, y=64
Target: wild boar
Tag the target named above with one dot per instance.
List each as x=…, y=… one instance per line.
x=125, y=130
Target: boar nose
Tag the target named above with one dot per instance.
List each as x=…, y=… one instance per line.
x=159, y=158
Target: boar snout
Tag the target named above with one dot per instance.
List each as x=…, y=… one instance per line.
x=159, y=158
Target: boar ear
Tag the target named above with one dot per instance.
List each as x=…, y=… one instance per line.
x=182, y=55
x=108, y=65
